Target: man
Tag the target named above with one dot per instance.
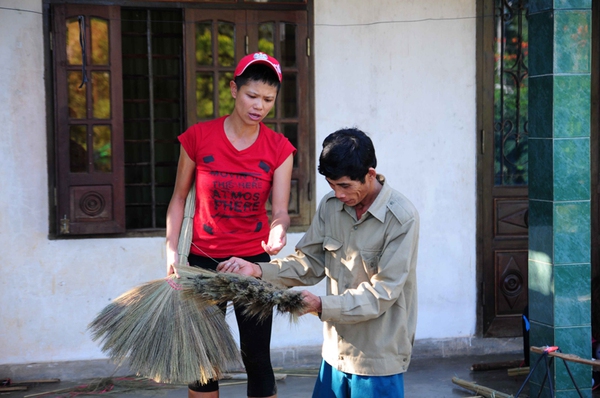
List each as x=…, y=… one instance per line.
x=364, y=240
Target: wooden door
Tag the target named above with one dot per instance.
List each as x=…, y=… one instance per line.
x=502, y=167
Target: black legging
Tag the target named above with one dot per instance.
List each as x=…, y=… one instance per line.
x=255, y=341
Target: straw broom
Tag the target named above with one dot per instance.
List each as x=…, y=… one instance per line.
x=171, y=331
x=164, y=336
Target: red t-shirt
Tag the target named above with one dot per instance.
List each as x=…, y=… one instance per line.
x=232, y=188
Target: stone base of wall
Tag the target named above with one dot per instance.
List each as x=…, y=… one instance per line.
x=287, y=358
x=466, y=346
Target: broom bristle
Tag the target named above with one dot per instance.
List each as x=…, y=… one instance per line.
x=165, y=337
x=257, y=296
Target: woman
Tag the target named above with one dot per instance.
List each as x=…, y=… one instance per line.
x=237, y=162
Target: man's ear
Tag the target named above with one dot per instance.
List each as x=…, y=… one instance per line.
x=372, y=173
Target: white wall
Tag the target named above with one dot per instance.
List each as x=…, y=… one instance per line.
x=410, y=85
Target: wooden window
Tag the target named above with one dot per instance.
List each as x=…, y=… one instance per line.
x=129, y=80
x=89, y=120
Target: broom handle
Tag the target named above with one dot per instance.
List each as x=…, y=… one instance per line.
x=187, y=226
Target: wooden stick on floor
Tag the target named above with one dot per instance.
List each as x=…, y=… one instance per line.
x=495, y=365
x=34, y=381
x=518, y=371
x=16, y=388
x=480, y=390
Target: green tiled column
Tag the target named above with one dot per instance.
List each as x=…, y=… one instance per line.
x=559, y=189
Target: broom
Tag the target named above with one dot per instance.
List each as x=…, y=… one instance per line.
x=171, y=330
x=165, y=337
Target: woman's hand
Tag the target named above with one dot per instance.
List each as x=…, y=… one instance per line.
x=277, y=240
x=172, y=259
x=172, y=271
x=280, y=197
x=237, y=265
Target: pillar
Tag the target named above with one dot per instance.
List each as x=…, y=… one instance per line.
x=559, y=189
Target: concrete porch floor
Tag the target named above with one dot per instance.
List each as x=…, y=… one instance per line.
x=426, y=377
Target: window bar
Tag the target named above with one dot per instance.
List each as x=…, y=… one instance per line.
x=216, y=68
x=151, y=107
x=182, y=121
x=501, y=122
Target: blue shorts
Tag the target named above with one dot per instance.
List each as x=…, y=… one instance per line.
x=332, y=383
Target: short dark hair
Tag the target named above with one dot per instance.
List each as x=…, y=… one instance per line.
x=258, y=73
x=348, y=152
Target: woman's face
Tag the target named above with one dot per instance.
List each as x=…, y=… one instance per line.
x=254, y=100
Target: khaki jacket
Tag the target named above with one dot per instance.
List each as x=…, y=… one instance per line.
x=370, y=310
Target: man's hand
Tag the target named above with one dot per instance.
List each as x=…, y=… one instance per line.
x=312, y=303
x=237, y=265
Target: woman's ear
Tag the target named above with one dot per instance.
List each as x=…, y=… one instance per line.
x=233, y=88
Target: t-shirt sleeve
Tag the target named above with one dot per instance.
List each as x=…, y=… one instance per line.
x=188, y=141
x=284, y=151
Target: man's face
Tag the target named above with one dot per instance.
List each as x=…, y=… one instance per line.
x=350, y=192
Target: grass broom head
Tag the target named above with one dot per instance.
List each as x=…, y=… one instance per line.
x=257, y=296
x=164, y=336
